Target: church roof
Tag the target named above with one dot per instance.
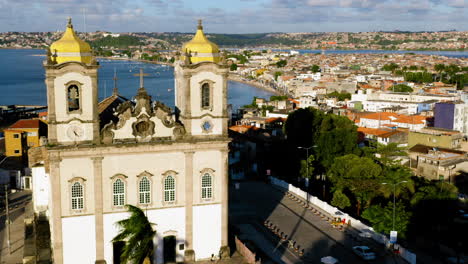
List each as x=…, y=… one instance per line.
x=70, y=48
x=200, y=48
x=106, y=108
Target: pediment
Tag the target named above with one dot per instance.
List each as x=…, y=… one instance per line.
x=144, y=121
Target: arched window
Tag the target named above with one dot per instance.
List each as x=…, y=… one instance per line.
x=145, y=190
x=77, y=198
x=207, y=186
x=205, y=95
x=119, y=192
x=169, y=189
x=73, y=97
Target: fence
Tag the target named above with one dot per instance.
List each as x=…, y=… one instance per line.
x=333, y=211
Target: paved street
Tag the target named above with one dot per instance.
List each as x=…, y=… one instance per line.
x=256, y=202
x=19, y=207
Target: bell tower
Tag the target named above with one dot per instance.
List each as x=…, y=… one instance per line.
x=201, y=87
x=72, y=91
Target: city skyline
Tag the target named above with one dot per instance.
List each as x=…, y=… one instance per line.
x=242, y=16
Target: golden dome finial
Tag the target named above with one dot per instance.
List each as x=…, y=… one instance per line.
x=200, y=24
x=69, y=24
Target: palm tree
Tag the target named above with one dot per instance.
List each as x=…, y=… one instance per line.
x=400, y=177
x=439, y=68
x=138, y=234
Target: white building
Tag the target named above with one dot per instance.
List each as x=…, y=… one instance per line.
x=98, y=160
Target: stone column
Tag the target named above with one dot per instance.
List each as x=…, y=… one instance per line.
x=94, y=90
x=57, y=243
x=98, y=209
x=52, y=118
x=189, y=252
x=225, y=252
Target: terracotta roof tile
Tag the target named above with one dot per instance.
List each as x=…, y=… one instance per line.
x=26, y=123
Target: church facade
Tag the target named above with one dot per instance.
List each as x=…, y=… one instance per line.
x=172, y=163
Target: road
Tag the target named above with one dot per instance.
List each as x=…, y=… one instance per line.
x=255, y=202
x=19, y=207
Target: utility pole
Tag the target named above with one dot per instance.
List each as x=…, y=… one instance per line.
x=7, y=220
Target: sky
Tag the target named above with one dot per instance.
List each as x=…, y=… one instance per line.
x=234, y=16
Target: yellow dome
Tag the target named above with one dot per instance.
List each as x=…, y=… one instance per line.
x=70, y=48
x=200, y=48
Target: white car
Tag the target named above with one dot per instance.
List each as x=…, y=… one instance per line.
x=364, y=252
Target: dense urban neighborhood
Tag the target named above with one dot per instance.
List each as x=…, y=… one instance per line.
x=359, y=155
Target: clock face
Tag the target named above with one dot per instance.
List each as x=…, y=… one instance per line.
x=75, y=132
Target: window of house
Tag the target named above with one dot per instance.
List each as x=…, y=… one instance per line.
x=17, y=151
x=77, y=198
x=145, y=190
x=169, y=189
x=119, y=192
x=73, y=95
x=205, y=94
x=207, y=186
x=15, y=135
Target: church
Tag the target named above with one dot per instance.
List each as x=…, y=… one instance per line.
x=100, y=156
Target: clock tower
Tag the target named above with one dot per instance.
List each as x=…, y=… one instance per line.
x=201, y=87
x=72, y=91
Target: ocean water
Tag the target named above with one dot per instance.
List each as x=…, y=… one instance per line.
x=22, y=80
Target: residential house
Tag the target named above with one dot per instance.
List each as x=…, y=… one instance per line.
x=435, y=137
x=437, y=163
x=22, y=135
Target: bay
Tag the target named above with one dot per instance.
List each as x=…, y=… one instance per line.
x=22, y=80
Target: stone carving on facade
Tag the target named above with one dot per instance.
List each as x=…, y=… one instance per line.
x=142, y=117
x=143, y=127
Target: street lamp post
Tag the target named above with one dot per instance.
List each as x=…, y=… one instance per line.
x=307, y=160
x=394, y=188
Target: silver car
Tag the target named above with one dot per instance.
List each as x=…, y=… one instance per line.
x=364, y=252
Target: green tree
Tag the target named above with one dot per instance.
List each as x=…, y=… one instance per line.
x=278, y=97
x=390, y=67
x=360, y=175
x=340, y=96
x=439, y=68
x=413, y=68
x=435, y=191
x=138, y=234
x=307, y=171
x=233, y=67
x=340, y=200
x=382, y=218
x=336, y=136
x=281, y=63
x=402, y=88
x=397, y=180
x=277, y=74
x=315, y=68
x=384, y=153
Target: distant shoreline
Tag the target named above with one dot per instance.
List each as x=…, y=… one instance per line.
x=230, y=76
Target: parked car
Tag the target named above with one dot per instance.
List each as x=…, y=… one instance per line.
x=364, y=252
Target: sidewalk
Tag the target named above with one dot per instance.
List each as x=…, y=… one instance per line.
x=17, y=217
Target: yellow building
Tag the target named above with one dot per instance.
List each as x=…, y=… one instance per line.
x=22, y=135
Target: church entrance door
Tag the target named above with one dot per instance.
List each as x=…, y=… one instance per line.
x=169, y=249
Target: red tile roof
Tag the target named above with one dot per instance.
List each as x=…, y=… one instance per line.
x=26, y=123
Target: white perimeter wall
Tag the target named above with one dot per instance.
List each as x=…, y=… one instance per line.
x=79, y=240
x=170, y=221
x=40, y=187
x=206, y=230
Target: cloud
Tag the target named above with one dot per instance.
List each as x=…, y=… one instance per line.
x=237, y=16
